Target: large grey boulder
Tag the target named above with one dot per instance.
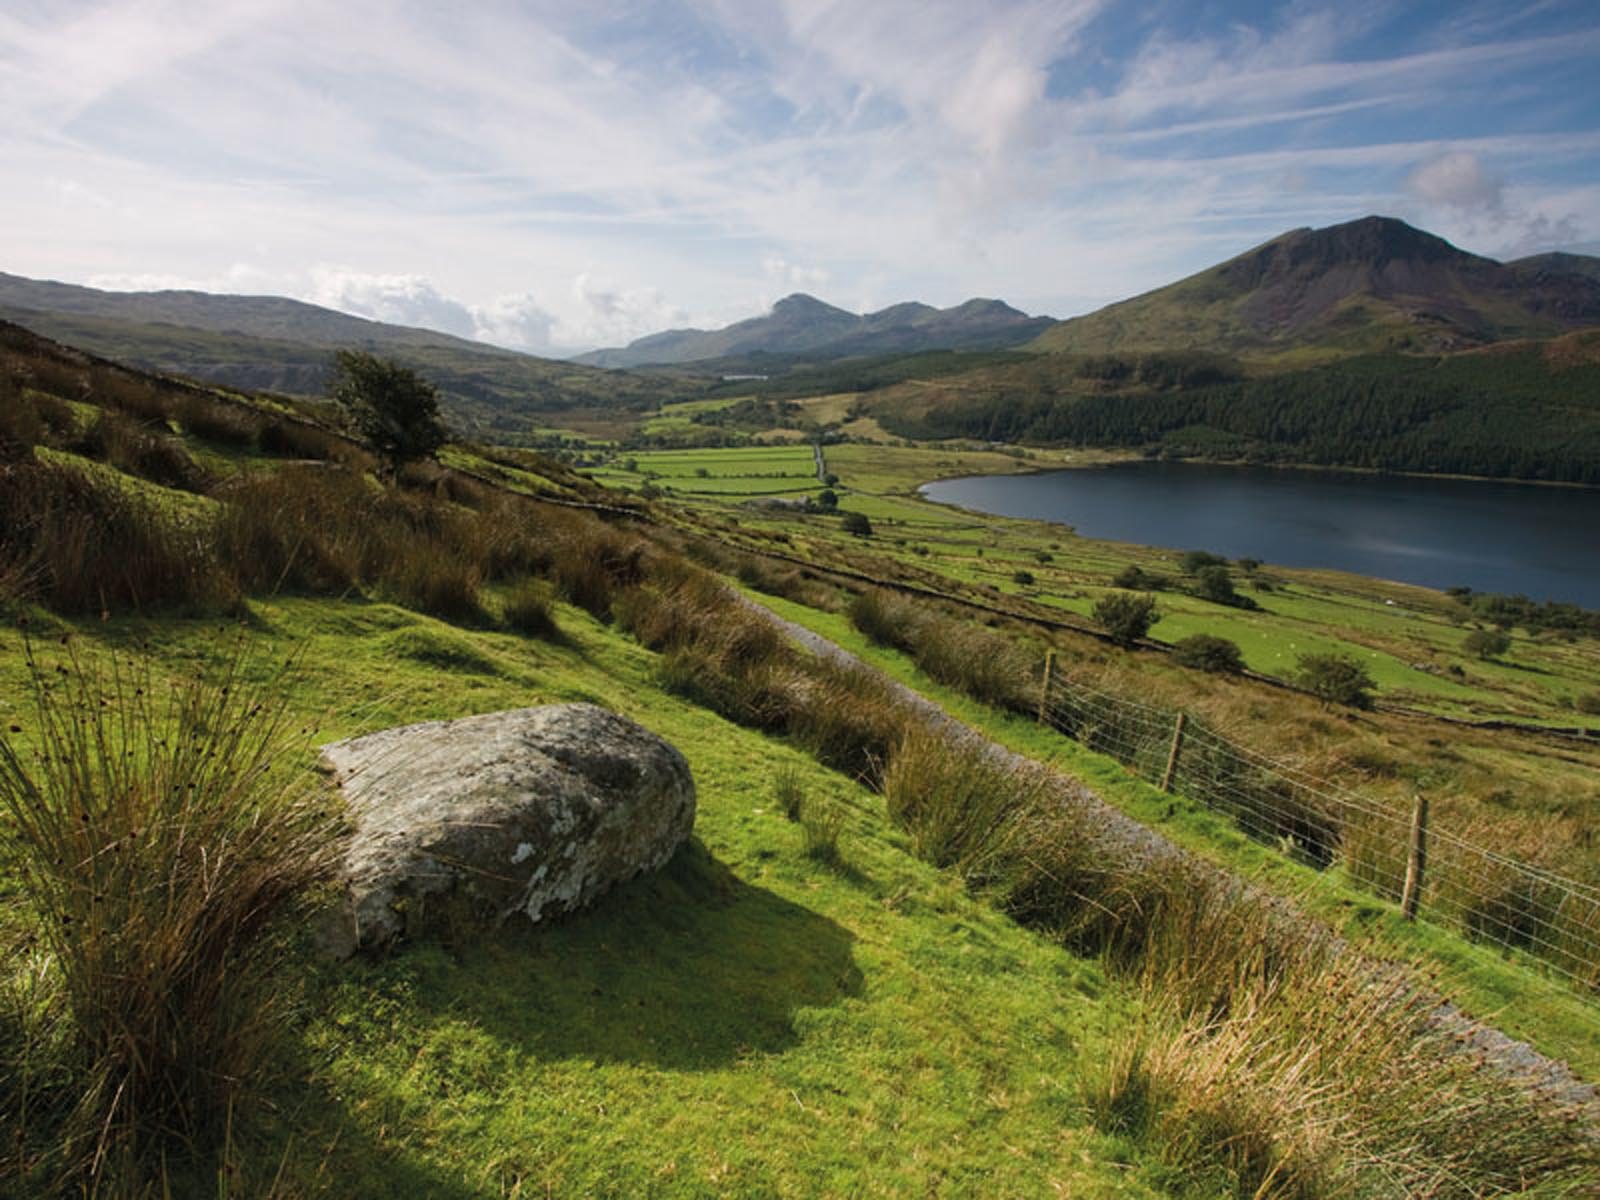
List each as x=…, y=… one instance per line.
x=533, y=811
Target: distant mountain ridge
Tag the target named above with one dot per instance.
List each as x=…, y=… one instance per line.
x=802, y=324
x=1372, y=284
x=275, y=317
x=271, y=343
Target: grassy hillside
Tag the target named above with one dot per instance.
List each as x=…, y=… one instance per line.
x=1524, y=410
x=1366, y=286
x=845, y=985
x=490, y=394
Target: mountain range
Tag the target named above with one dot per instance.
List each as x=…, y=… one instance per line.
x=802, y=324
x=1309, y=295
x=270, y=343
x=1371, y=284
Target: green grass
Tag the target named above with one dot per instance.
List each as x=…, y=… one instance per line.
x=752, y=1020
x=1517, y=992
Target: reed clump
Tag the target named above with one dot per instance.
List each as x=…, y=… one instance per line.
x=158, y=834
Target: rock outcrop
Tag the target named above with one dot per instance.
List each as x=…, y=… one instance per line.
x=534, y=811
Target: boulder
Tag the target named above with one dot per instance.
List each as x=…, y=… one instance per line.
x=534, y=811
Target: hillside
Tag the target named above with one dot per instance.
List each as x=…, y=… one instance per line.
x=1368, y=285
x=270, y=343
x=842, y=960
x=801, y=324
x=1519, y=410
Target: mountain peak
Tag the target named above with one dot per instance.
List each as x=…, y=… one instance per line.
x=800, y=304
x=1370, y=284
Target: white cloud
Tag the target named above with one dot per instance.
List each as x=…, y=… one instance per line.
x=396, y=299
x=1458, y=180
x=518, y=322
x=602, y=313
x=791, y=277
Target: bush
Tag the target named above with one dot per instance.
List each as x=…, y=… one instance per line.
x=1206, y=652
x=1025, y=578
x=1335, y=679
x=216, y=420
x=157, y=843
x=528, y=609
x=1133, y=579
x=294, y=439
x=393, y=409
x=84, y=543
x=1194, y=561
x=1486, y=643
x=1126, y=617
x=1213, y=583
x=856, y=523
x=888, y=619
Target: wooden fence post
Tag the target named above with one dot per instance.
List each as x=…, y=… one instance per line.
x=1416, y=860
x=1044, y=685
x=1172, y=755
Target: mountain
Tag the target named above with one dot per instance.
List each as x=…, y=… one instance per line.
x=270, y=343
x=801, y=324
x=1368, y=285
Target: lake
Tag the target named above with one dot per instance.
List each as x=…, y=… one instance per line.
x=1492, y=537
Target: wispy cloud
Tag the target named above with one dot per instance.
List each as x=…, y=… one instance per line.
x=550, y=175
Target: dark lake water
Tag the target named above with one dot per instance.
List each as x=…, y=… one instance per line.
x=1493, y=537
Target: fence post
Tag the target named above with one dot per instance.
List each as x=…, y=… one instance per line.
x=1044, y=685
x=1416, y=860
x=1172, y=755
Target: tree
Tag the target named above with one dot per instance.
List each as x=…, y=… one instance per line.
x=1335, y=679
x=393, y=409
x=1486, y=643
x=1126, y=617
x=856, y=523
x=1206, y=652
x=827, y=500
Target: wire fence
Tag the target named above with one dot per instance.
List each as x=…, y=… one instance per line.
x=1488, y=896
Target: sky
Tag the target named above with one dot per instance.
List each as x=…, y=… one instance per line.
x=554, y=176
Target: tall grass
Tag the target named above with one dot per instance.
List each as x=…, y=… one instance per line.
x=84, y=543
x=987, y=666
x=1274, y=1062
x=157, y=833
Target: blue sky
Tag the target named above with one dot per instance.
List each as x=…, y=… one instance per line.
x=562, y=175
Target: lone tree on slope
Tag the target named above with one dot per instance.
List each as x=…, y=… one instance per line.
x=393, y=409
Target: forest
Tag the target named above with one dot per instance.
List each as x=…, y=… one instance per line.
x=1509, y=414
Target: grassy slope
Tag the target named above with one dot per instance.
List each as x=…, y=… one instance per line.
x=1521, y=996
x=749, y=1021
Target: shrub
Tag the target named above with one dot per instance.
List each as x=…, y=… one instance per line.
x=856, y=523
x=84, y=543
x=1335, y=679
x=294, y=439
x=888, y=619
x=156, y=843
x=1132, y=578
x=1213, y=583
x=1206, y=652
x=298, y=528
x=1025, y=578
x=21, y=427
x=1195, y=560
x=528, y=609
x=217, y=420
x=1126, y=617
x=1486, y=643
x=393, y=409
x=956, y=802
